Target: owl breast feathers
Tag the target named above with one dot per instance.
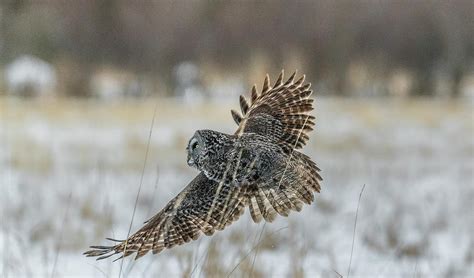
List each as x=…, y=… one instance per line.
x=257, y=167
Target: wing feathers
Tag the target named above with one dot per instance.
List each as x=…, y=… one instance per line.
x=300, y=80
x=184, y=218
x=255, y=212
x=286, y=106
x=236, y=116
x=290, y=80
x=279, y=80
x=254, y=94
x=266, y=85
x=265, y=206
x=287, y=190
x=244, y=105
x=279, y=203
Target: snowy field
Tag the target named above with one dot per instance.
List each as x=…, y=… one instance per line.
x=70, y=172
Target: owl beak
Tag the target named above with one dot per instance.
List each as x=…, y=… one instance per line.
x=190, y=161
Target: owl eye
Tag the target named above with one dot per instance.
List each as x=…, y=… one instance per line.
x=194, y=144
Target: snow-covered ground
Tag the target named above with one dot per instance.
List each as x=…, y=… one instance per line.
x=70, y=172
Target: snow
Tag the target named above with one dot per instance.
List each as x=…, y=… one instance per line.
x=69, y=182
x=30, y=73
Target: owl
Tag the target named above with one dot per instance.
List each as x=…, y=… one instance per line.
x=259, y=167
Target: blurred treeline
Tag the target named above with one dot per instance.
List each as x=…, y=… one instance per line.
x=346, y=47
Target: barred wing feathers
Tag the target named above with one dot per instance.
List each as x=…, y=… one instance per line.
x=288, y=190
x=202, y=207
x=280, y=112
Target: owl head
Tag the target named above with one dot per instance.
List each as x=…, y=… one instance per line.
x=207, y=149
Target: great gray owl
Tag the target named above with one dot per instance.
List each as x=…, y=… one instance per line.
x=258, y=166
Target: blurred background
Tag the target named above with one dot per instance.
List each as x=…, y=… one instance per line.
x=88, y=88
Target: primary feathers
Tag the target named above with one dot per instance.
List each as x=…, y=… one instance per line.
x=258, y=166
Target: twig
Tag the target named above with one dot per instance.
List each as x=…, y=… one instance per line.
x=100, y=270
x=149, y=211
x=154, y=191
x=206, y=257
x=61, y=235
x=5, y=195
x=256, y=249
x=148, y=266
x=197, y=258
x=354, y=231
x=140, y=186
x=339, y=275
x=6, y=247
x=251, y=250
x=129, y=267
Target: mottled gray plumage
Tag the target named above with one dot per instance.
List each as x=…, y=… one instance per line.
x=258, y=166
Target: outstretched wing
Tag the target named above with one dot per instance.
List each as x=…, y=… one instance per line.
x=291, y=186
x=202, y=207
x=280, y=113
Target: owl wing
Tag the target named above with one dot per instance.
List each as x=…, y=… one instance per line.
x=203, y=206
x=291, y=185
x=281, y=112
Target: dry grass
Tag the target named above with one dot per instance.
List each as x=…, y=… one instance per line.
x=407, y=151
